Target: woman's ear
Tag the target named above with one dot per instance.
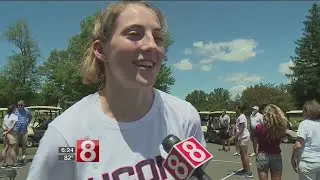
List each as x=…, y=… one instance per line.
x=98, y=49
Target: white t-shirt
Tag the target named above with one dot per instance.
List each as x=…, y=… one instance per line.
x=9, y=120
x=256, y=120
x=309, y=131
x=242, y=119
x=127, y=150
x=224, y=120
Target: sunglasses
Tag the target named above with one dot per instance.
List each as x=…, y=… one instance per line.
x=20, y=105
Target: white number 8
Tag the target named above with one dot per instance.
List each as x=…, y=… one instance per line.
x=87, y=150
x=193, y=150
x=176, y=167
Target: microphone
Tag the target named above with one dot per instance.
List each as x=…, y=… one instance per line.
x=185, y=158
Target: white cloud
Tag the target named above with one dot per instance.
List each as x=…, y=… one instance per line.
x=183, y=65
x=242, y=78
x=187, y=51
x=237, y=89
x=237, y=50
x=284, y=68
x=206, y=67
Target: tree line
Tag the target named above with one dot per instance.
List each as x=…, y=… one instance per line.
x=57, y=80
x=260, y=95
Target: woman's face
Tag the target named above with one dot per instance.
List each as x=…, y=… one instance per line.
x=135, y=52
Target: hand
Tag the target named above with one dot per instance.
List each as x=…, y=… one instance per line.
x=294, y=164
x=231, y=139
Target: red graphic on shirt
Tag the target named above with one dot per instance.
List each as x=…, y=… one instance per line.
x=153, y=165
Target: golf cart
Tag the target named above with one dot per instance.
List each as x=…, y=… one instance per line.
x=214, y=127
x=294, y=119
x=3, y=112
x=204, y=116
x=41, y=117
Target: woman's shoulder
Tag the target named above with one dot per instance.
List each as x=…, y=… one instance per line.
x=13, y=116
x=77, y=112
x=309, y=123
x=176, y=104
x=173, y=100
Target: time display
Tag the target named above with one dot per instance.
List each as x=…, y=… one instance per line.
x=66, y=150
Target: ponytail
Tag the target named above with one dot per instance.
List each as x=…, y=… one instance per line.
x=91, y=68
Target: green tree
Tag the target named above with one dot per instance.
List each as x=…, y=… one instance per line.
x=62, y=70
x=199, y=99
x=20, y=75
x=264, y=94
x=306, y=70
x=219, y=99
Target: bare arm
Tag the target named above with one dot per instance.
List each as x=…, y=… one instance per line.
x=296, y=152
x=241, y=129
x=3, y=126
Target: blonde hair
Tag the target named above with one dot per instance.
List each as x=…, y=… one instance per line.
x=275, y=121
x=92, y=69
x=313, y=109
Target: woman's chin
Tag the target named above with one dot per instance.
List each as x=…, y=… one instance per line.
x=145, y=81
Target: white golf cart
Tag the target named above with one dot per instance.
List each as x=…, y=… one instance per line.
x=41, y=117
x=294, y=119
x=204, y=116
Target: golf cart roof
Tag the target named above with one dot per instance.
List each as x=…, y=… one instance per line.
x=294, y=112
x=44, y=107
x=3, y=109
x=204, y=112
x=219, y=112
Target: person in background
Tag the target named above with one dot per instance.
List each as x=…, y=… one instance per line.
x=10, y=142
x=236, y=142
x=256, y=118
x=224, y=121
x=305, y=157
x=21, y=129
x=243, y=135
x=268, y=136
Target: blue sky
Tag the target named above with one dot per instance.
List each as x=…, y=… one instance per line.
x=228, y=44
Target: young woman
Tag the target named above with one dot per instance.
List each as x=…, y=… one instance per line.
x=242, y=135
x=269, y=137
x=10, y=142
x=128, y=117
x=305, y=156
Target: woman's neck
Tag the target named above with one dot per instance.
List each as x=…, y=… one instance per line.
x=126, y=104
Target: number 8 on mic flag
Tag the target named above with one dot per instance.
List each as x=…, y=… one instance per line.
x=185, y=157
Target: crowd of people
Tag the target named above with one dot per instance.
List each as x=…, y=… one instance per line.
x=15, y=134
x=266, y=131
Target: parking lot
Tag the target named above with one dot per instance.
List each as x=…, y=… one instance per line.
x=223, y=165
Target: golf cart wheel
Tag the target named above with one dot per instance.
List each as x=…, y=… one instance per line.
x=206, y=138
x=30, y=142
x=286, y=139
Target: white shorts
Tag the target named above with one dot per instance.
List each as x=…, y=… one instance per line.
x=309, y=171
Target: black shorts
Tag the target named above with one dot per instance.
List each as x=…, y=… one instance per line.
x=252, y=134
x=224, y=134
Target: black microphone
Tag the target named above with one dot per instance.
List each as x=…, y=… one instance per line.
x=169, y=142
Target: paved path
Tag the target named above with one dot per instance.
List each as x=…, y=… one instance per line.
x=222, y=166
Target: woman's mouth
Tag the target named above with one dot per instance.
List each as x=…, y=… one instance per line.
x=145, y=64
